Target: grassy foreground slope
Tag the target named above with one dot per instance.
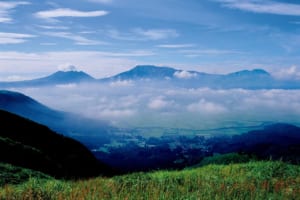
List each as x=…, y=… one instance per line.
x=10, y=174
x=253, y=180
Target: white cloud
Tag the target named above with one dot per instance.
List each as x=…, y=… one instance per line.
x=175, y=46
x=120, y=83
x=184, y=74
x=78, y=39
x=54, y=27
x=66, y=12
x=67, y=67
x=158, y=103
x=6, y=8
x=267, y=6
x=206, y=107
x=115, y=113
x=14, y=38
x=67, y=86
x=291, y=73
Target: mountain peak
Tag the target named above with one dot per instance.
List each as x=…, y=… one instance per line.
x=255, y=72
x=151, y=69
x=147, y=71
x=64, y=77
x=78, y=75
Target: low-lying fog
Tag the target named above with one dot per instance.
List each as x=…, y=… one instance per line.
x=135, y=104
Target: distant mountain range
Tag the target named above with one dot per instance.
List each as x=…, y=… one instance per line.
x=28, y=144
x=60, y=77
x=245, y=79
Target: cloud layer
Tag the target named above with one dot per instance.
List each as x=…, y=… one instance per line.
x=138, y=104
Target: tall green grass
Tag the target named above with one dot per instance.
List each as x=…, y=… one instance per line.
x=253, y=180
x=10, y=174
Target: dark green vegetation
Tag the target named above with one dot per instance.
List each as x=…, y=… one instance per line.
x=225, y=159
x=253, y=180
x=30, y=145
x=10, y=174
x=275, y=142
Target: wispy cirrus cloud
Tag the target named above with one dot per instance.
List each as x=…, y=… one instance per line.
x=139, y=34
x=78, y=39
x=14, y=38
x=53, y=27
x=175, y=46
x=208, y=52
x=101, y=1
x=6, y=9
x=157, y=34
x=267, y=6
x=66, y=12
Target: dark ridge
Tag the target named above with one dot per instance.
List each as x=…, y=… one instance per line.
x=28, y=144
x=27, y=107
x=277, y=141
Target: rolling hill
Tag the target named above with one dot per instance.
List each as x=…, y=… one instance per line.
x=28, y=144
x=89, y=131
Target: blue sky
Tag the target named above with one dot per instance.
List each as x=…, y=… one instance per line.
x=104, y=37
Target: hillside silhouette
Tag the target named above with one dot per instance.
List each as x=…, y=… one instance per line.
x=28, y=144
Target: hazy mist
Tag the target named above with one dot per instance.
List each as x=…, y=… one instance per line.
x=141, y=104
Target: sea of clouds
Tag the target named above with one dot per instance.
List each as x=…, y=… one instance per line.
x=139, y=104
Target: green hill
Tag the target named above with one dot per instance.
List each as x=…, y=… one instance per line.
x=28, y=144
x=253, y=180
